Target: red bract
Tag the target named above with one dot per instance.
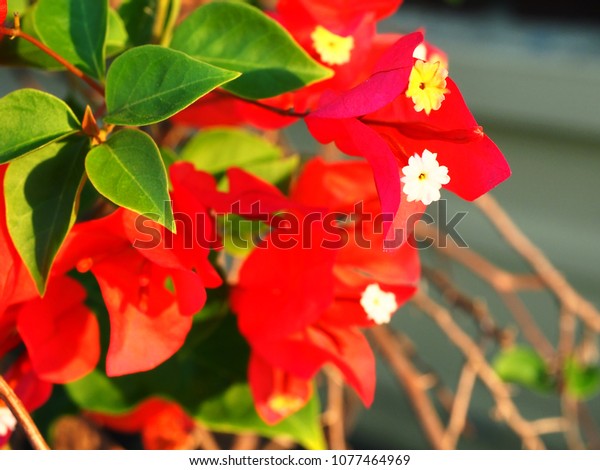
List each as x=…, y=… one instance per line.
x=3, y=11
x=163, y=424
x=47, y=325
x=337, y=121
x=152, y=281
x=377, y=120
x=345, y=11
x=276, y=393
x=298, y=298
x=360, y=262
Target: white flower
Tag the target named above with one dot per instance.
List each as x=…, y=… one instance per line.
x=378, y=304
x=7, y=421
x=423, y=178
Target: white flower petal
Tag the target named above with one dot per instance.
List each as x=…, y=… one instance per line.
x=424, y=177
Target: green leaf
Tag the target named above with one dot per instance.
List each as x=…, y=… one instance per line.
x=216, y=150
x=19, y=52
x=76, y=30
x=31, y=119
x=138, y=18
x=149, y=84
x=274, y=171
x=168, y=155
x=233, y=412
x=128, y=170
x=581, y=382
x=239, y=37
x=116, y=38
x=240, y=235
x=42, y=194
x=523, y=366
x=17, y=5
x=208, y=377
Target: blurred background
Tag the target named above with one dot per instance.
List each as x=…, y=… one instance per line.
x=530, y=72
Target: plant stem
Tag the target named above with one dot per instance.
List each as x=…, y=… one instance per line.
x=17, y=33
x=15, y=405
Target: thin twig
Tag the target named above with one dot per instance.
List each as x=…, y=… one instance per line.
x=527, y=324
x=203, y=438
x=505, y=406
x=17, y=33
x=15, y=405
x=279, y=443
x=566, y=338
x=571, y=414
x=458, y=415
x=550, y=425
x=335, y=410
x=476, y=309
x=245, y=441
x=410, y=379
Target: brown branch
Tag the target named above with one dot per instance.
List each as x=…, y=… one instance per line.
x=15, y=405
x=505, y=406
x=410, y=379
x=566, y=338
x=334, y=416
x=571, y=414
x=245, y=441
x=550, y=425
x=498, y=278
x=203, y=438
x=477, y=310
x=17, y=33
x=528, y=326
x=551, y=277
x=279, y=443
x=460, y=408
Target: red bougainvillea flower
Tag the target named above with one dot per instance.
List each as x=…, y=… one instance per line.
x=163, y=424
x=410, y=108
x=152, y=281
x=370, y=284
x=276, y=393
x=301, y=295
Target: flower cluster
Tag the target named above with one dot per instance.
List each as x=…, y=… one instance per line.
x=317, y=272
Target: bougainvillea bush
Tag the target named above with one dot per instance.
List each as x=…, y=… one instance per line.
x=166, y=257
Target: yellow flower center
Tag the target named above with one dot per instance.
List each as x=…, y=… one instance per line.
x=285, y=404
x=427, y=86
x=333, y=49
